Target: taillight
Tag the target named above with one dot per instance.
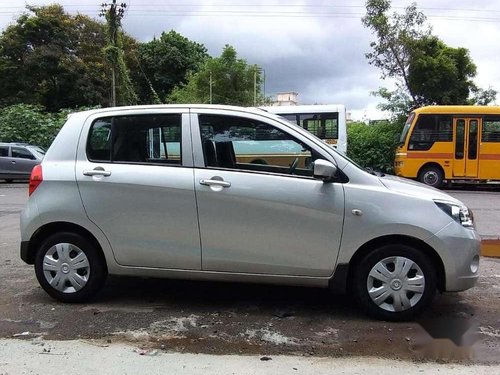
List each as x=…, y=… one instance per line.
x=36, y=178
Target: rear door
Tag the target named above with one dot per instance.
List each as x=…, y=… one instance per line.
x=22, y=161
x=135, y=176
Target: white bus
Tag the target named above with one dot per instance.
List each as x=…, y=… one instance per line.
x=327, y=122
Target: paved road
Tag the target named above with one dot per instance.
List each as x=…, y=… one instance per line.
x=203, y=317
x=486, y=208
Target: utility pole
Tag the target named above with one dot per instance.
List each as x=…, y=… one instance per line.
x=260, y=70
x=255, y=87
x=113, y=13
x=211, y=87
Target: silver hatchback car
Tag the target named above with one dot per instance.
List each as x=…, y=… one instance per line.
x=235, y=194
x=18, y=159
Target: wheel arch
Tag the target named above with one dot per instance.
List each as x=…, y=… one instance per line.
x=401, y=240
x=49, y=229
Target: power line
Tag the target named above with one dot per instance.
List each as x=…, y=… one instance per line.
x=143, y=11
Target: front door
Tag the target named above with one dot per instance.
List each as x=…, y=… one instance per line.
x=466, y=147
x=260, y=210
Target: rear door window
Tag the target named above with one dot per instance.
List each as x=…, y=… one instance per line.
x=144, y=139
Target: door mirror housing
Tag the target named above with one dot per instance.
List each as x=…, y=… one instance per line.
x=324, y=170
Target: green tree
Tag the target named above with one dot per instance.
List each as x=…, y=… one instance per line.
x=425, y=69
x=165, y=63
x=391, y=51
x=438, y=74
x=50, y=58
x=232, y=79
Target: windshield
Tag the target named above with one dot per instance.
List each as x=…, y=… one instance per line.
x=404, y=133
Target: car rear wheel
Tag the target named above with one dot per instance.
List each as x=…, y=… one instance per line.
x=394, y=282
x=69, y=267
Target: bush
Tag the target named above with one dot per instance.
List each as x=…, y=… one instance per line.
x=373, y=145
x=30, y=124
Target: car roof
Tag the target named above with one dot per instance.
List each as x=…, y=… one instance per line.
x=253, y=110
x=13, y=144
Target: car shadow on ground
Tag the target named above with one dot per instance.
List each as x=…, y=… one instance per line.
x=194, y=295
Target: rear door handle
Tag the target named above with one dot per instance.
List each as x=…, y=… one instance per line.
x=97, y=172
x=215, y=183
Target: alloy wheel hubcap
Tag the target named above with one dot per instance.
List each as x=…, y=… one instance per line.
x=66, y=268
x=430, y=178
x=395, y=284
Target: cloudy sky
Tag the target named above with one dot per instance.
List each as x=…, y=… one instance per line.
x=313, y=47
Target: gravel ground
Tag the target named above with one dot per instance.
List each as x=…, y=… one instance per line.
x=216, y=318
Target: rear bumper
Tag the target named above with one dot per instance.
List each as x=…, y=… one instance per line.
x=25, y=254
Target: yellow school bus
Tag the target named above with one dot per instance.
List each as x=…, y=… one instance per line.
x=449, y=143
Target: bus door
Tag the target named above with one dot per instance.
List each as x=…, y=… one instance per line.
x=466, y=147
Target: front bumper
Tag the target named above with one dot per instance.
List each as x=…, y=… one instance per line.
x=459, y=249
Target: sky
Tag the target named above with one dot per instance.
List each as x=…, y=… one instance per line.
x=313, y=47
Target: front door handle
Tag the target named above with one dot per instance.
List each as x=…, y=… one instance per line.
x=215, y=183
x=97, y=172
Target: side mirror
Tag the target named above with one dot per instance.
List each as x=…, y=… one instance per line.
x=324, y=170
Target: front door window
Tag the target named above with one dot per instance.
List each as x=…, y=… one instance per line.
x=244, y=144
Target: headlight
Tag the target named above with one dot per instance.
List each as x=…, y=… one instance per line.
x=459, y=213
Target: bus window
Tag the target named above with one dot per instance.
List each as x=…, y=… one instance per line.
x=459, y=142
x=491, y=129
x=292, y=118
x=472, y=154
x=430, y=129
x=327, y=122
x=322, y=125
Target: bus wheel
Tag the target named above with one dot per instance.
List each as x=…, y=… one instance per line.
x=431, y=176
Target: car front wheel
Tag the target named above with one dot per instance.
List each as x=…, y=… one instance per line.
x=69, y=267
x=431, y=176
x=395, y=282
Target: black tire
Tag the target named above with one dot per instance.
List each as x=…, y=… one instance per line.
x=360, y=283
x=97, y=272
x=431, y=176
